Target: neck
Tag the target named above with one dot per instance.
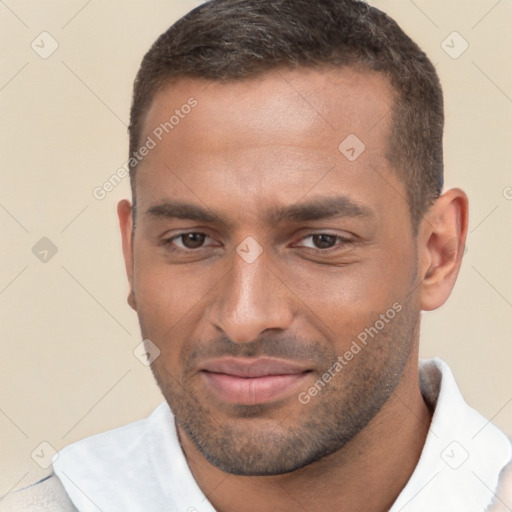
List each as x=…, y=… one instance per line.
x=366, y=475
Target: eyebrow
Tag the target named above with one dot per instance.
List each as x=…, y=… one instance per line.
x=318, y=209
x=314, y=209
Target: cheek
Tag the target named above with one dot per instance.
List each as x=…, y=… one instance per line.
x=167, y=317
x=362, y=286
x=170, y=298
x=342, y=302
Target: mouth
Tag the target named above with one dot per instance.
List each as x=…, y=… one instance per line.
x=245, y=381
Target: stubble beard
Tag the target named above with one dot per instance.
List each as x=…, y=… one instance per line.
x=259, y=440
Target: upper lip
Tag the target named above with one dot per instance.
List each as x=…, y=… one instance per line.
x=247, y=367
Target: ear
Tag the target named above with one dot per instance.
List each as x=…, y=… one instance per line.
x=124, y=213
x=442, y=238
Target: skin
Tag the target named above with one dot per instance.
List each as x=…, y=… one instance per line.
x=248, y=147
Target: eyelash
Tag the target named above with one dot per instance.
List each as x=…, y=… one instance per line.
x=341, y=240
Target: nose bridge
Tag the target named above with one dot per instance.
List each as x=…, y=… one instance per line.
x=251, y=299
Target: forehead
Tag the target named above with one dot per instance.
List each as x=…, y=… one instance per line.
x=286, y=103
x=277, y=134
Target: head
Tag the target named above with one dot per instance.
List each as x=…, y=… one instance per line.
x=290, y=215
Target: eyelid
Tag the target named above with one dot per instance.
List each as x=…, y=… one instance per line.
x=171, y=240
x=339, y=239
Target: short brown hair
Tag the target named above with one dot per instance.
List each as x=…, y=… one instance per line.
x=234, y=39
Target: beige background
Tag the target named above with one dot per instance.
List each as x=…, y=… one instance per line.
x=66, y=364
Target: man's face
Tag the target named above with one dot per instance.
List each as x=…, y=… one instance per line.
x=256, y=303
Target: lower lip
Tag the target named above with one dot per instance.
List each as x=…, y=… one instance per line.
x=251, y=390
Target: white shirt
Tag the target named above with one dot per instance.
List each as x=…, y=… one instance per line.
x=141, y=467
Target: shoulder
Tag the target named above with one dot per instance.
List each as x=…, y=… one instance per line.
x=44, y=495
x=111, y=466
x=116, y=447
x=503, y=496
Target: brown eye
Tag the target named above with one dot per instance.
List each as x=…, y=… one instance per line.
x=324, y=241
x=191, y=244
x=192, y=240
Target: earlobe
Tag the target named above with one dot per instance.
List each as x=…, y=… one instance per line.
x=131, y=300
x=124, y=213
x=441, y=241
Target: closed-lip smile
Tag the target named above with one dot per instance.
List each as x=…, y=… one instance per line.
x=249, y=381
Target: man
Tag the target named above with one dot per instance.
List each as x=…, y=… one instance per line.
x=287, y=228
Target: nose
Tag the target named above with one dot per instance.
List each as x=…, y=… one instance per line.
x=251, y=299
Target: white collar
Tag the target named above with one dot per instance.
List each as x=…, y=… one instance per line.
x=141, y=467
x=463, y=454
